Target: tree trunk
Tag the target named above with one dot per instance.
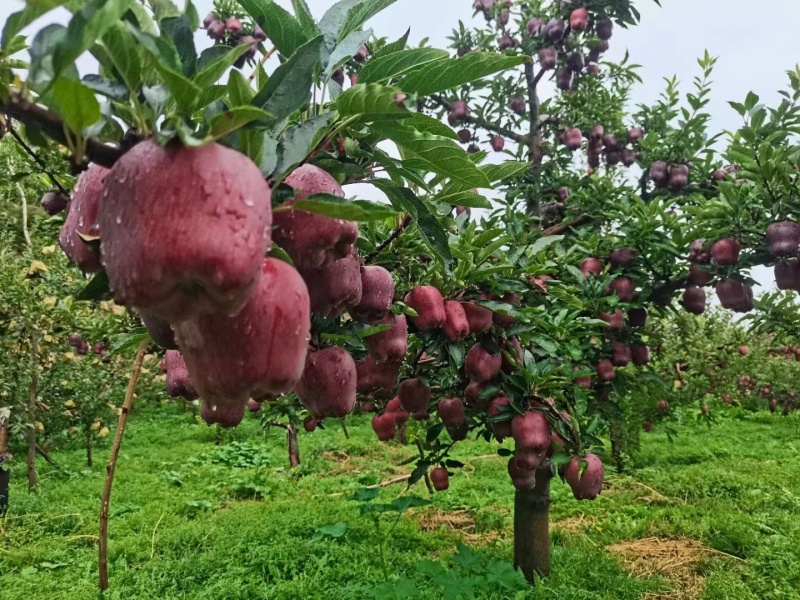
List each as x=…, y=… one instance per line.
x=89, y=450
x=33, y=477
x=532, y=526
x=5, y=474
x=617, y=436
x=294, y=448
x=102, y=566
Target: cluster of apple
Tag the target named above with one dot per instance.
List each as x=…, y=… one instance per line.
x=82, y=346
x=231, y=32
x=622, y=342
x=783, y=240
x=602, y=144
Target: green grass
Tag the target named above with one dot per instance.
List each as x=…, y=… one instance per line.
x=190, y=519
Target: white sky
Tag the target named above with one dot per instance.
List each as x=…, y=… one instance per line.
x=756, y=42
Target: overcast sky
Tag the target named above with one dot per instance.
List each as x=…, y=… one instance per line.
x=755, y=40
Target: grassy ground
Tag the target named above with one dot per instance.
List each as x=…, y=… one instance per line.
x=714, y=515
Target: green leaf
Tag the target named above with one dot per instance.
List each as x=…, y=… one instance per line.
x=297, y=142
x=96, y=289
x=341, y=208
x=425, y=124
x=365, y=494
x=86, y=27
x=335, y=530
x=403, y=503
x=289, y=88
x=212, y=72
x=447, y=74
x=465, y=198
x=164, y=9
x=128, y=341
x=361, y=13
x=239, y=90
x=345, y=50
x=123, y=52
x=395, y=46
x=544, y=242
x=19, y=20
x=393, y=65
x=305, y=17
x=106, y=87
x=235, y=118
x=436, y=154
x=505, y=170
x=281, y=27
x=333, y=21
x=180, y=30
x=75, y=103
x=372, y=100
x=431, y=230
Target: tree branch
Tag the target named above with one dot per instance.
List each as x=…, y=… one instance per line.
x=395, y=234
x=23, y=110
x=564, y=227
x=37, y=159
x=534, y=134
x=483, y=123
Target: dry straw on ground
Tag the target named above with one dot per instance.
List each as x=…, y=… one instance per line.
x=675, y=559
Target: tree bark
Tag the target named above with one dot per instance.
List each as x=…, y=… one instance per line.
x=33, y=477
x=89, y=450
x=111, y=467
x=294, y=447
x=5, y=475
x=532, y=526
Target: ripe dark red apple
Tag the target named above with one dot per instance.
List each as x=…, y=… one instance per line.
x=440, y=479
x=460, y=210
x=479, y=318
x=605, y=370
x=604, y=29
x=377, y=293
x=698, y=253
x=698, y=276
x=637, y=317
x=378, y=378
x=413, y=395
x=564, y=79
x=82, y=220
x=694, y=300
x=506, y=321
x=622, y=355
x=184, y=230
x=640, y=355
x=517, y=106
x=312, y=240
x=258, y=353
x=502, y=429
x=481, y=365
x=610, y=141
x=783, y=238
x=100, y=349
x=624, y=288
x=589, y=484
x=659, y=173
x=328, y=385
x=427, y=301
x=593, y=266
x=506, y=42
x=635, y=134
x=575, y=62
x=718, y=175
x=497, y=143
x=534, y=27
x=451, y=412
x=628, y=157
x=472, y=395
x=597, y=132
x=593, y=69
x=384, y=426
x=459, y=110
x=573, y=139
x=725, y=251
x=554, y=30
x=562, y=193
x=179, y=384
x=160, y=331
x=614, y=320
x=224, y=415
x=465, y=135
x=531, y=432
x=678, y=177
x=787, y=274
x=579, y=19
x=743, y=350
x=54, y=202
x=397, y=411
x=548, y=58
x=334, y=287
x=390, y=345
x=253, y=406
x=735, y=295
x=522, y=478
x=622, y=257
x=456, y=325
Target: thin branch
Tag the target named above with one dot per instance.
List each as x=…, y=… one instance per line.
x=24, y=202
x=264, y=58
x=564, y=227
x=483, y=123
x=112, y=465
x=20, y=108
x=37, y=159
x=395, y=234
x=43, y=453
x=534, y=134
